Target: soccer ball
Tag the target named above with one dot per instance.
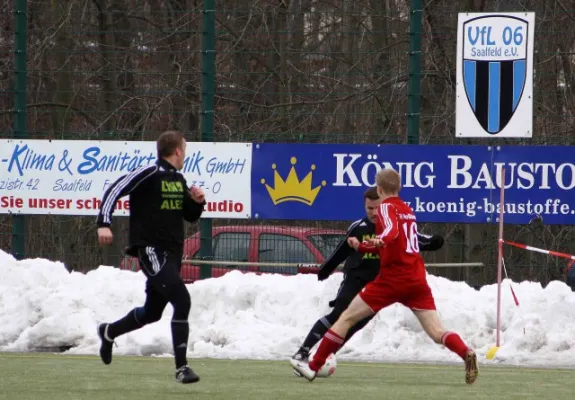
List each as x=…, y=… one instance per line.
x=328, y=368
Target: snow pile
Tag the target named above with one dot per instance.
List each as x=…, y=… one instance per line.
x=266, y=317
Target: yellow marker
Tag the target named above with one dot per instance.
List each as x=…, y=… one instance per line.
x=491, y=353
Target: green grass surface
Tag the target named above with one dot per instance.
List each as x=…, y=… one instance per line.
x=63, y=377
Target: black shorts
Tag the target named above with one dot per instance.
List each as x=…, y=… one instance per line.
x=162, y=268
x=350, y=286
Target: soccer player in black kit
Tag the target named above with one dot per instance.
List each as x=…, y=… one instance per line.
x=359, y=270
x=160, y=201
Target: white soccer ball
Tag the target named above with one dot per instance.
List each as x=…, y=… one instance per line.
x=328, y=368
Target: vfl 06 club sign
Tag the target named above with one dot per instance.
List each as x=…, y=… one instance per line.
x=495, y=75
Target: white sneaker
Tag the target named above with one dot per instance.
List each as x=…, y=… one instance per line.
x=302, y=367
x=300, y=356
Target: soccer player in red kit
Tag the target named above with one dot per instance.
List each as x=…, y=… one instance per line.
x=402, y=279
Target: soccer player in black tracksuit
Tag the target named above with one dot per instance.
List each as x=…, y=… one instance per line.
x=160, y=201
x=359, y=270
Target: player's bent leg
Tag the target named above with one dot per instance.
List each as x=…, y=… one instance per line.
x=135, y=319
x=320, y=327
x=350, y=286
x=334, y=338
x=181, y=301
x=374, y=297
x=315, y=334
x=357, y=310
x=432, y=325
x=167, y=281
x=344, y=297
x=361, y=324
x=357, y=327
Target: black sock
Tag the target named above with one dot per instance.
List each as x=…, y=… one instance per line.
x=317, y=331
x=124, y=325
x=180, y=334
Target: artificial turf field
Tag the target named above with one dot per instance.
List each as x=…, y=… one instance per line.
x=56, y=376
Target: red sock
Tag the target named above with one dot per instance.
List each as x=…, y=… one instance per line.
x=454, y=343
x=330, y=343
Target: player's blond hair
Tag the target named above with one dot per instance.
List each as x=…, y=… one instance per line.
x=389, y=181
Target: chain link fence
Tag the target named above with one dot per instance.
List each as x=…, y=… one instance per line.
x=305, y=71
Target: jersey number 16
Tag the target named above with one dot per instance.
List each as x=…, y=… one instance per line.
x=411, y=236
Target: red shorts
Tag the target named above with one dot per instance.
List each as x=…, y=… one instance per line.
x=382, y=293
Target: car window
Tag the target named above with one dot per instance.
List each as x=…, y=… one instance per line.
x=284, y=248
x=232, y=246
x=326, y=243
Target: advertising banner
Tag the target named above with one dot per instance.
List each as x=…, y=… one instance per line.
x=69, y=177
x=446, y=184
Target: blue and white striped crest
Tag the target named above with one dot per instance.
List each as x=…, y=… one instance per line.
x=494, y=68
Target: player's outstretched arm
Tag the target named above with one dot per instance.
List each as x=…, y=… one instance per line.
x=342, y=252
x=430, y=242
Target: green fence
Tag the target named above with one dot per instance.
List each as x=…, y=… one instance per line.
x=308, y=71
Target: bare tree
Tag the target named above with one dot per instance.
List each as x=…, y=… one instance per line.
x=315, y=71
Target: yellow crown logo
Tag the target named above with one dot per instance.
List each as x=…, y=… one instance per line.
x=292, y=189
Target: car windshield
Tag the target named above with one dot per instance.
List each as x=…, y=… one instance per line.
x=326, y=243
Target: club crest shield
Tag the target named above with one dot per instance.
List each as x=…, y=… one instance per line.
x=494, y=68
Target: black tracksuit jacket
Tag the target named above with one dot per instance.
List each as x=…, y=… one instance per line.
x=160, y=201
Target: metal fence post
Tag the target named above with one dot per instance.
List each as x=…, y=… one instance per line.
x=414, y=91
x=20, y=114
x=208, y=92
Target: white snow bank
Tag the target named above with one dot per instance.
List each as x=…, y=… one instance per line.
x=266, y=317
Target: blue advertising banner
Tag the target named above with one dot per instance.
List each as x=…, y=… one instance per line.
x=457, y=184
x=538, y=181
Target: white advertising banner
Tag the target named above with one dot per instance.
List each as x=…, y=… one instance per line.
x=495, y=75
x=69, y=177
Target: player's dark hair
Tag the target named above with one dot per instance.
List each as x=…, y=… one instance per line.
x=168, y=142
x=371, y=194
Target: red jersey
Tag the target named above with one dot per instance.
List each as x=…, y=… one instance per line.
x=396, y=226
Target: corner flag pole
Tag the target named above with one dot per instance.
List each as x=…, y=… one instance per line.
x=491, y=352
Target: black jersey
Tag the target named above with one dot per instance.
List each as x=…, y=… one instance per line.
x=160, y=201
x=363, y=264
